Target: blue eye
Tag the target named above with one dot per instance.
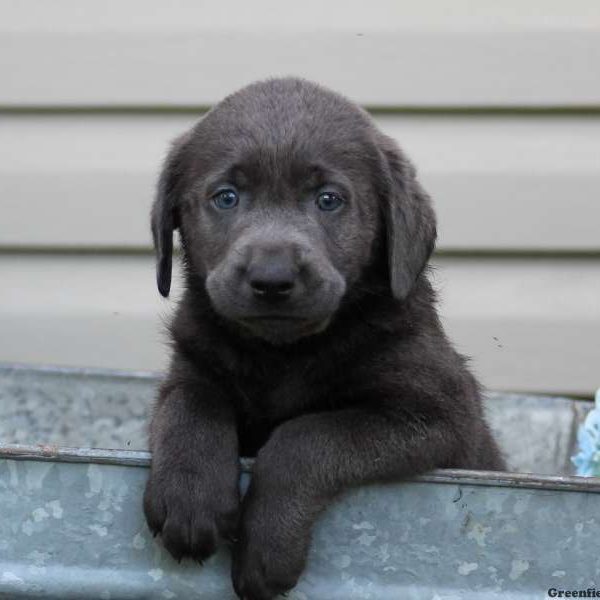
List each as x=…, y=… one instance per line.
x=226, y=199
x=329, y=201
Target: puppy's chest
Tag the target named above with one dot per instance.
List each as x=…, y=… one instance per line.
x=264, y=403
x=274, y=398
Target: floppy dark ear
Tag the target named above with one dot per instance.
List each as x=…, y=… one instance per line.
x=164, y=217
x=409, y=218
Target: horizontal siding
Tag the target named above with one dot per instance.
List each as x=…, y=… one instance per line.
x=517, y=177
x=529, y=324
x=499, y=182
x=69, y=53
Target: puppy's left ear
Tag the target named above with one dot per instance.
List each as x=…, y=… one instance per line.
x=409, y=219
x=164, y=216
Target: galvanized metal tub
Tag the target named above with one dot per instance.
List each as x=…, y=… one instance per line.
x=72, y=525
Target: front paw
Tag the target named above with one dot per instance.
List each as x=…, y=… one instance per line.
x=270, y=553
x=191, y=512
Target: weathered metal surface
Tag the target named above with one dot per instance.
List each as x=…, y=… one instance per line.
x=74, y=530
x=90, y=408
x=72, y=525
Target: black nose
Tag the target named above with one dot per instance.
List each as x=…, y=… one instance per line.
x=272, y=277
x=272, y=289
x=271, y=284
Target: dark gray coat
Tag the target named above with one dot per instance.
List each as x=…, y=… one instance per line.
x=307, y=335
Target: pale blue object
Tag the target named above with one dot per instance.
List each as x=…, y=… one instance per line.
x=587, y=461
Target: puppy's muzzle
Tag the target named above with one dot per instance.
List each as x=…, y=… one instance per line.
x=279, y=288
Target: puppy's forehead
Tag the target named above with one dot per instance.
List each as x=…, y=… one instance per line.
x=285, y=124
x=297, y=171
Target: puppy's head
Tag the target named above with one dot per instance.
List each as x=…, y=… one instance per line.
x=280, y=194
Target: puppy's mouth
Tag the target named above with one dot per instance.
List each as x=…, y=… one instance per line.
x=274, y=319
x=282, y=329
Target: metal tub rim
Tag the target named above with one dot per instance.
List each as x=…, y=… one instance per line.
x=140, y=458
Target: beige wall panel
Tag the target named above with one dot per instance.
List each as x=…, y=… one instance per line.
x=527, y=324
x=499, y=183
x=387, y=53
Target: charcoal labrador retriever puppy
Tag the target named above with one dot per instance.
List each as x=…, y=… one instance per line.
x=307, y=335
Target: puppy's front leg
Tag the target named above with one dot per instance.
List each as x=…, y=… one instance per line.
x=192, y=495
x=305, y=463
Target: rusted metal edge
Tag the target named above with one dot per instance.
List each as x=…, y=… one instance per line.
x=140, y=458
x=53, y=453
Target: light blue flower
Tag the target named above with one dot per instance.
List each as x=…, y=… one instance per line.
x=587, y=461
